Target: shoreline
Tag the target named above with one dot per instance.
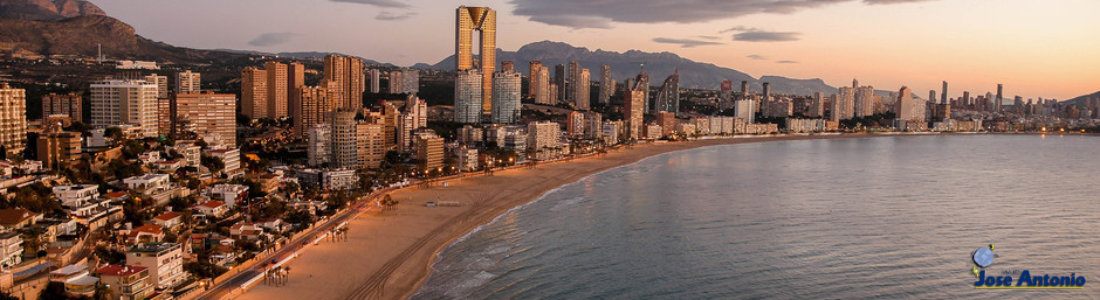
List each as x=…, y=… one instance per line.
x=398, y=248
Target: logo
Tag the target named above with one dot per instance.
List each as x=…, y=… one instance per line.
x=983, y=258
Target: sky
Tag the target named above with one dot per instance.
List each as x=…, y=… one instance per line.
x=1048, y=49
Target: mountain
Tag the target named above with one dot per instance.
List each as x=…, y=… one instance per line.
x=657, y=65
x=47, y=10
x=1081, y=99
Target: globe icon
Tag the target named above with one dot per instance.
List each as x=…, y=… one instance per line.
x=983, y=257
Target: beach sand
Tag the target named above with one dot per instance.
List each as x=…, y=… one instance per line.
x=388, y=253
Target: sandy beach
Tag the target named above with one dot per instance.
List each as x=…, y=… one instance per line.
x=388, y=253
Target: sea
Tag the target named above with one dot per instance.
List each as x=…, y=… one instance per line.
x=861, y=218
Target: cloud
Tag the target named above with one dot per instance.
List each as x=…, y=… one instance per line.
x=786, y=62
x=708, y=37
x=387, y=16
x=685, y=43
x=757, y=35
x=272, y=39
x=379, y=3
x=659, y=11
x=757, y=57
x=878, y=2
x=575, y=22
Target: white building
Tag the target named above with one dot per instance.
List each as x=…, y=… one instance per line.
x=543, y=136
x=229, y=193
x=76, y=195
x=11, y=248
x=188, y=82
x=468, y=96
x=339, y=179
x=164, y=260
x=148, y=183
x=745, y=109
x=467, y=158
x=231, y=158
x=192, y=155
x=506, y=96
x=318, y=144
x=118, y=102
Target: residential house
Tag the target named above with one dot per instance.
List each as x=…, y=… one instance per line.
x=212, y=208
x=169, y=220
x=76, y=279
x=128, y=282
x=164, y=260
x=148, y=233
x=17, y=218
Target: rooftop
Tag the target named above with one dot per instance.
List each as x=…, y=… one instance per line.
x=153, y=247
x=168, y=216
x=119, y=270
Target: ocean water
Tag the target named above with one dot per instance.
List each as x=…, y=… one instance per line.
x=891, y=217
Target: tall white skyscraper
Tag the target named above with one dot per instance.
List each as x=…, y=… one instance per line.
x=582, y=86
x=468, y=96
x=543, y=96
x=125, y=102
x=344, y=151
x=745, y=109
x=507, y=85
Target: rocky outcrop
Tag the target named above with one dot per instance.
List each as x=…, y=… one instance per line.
x=47, y=10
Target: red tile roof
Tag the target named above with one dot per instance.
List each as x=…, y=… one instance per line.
x=10, y=217
x=168, y=216
x=212, y=204
x=147, y=228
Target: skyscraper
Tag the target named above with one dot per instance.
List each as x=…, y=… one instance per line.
x=745, y=109
x=932, y=96
x=370, y=144
x=13, y=119
x=277, y=96
x=347, y=73
x=633, y=111
x=533, y=70
x=375, y=79
x=943, y=98
x=125, y=102
x=574, y=83
x=484, y=20
x=1000, y=97
x=582, y=90
x=397, y=85
x=817, y=109
x=560, y=80
x=543, y=92
x=254, y=93
x=725, y=94
x=668, y=97
x=864, y=101
x=744, y=88
x=507, y=85
x=214, y=116
x=188, y=82
x=641, y=83
x=320, y=136
x=344, y=151
x=312, y=106
x=468, y=96
x=410, y=81
x=607, y=85
x=767, y=94
x=844, y=104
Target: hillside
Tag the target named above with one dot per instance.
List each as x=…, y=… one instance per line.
x=47, y=10
x=1080, y=100
x=659, y=65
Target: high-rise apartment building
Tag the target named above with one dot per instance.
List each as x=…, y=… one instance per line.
x=560, y=79
x=844, y=104
x=429, y=151
x=56, y=148
x=817, y=108
x=864, y=102
x=943, y=97
x=67, y=104
x=573, y=83
x=370, y=144
x=347, y=73
x=533, y=70
x=634, y=111
x=483, y=20
x=582, y=86
x=214, y=116
x=410, y=81
x=295, y=81
x=907, y=108
x=318, y=144
x=543, y=87
x=375, y=81
x=312, y=105
x=188, y=82
x=13, y=119
x=744, y=89
x=745, y=109
x=641, y=83
x=767, y=93
x=125, y=102
x=165, y=117
x=725, y=94
x=543, y=135
x=418, y=109
x=1000, y=100
x=468, y=96
x=277, y=92
x=396, y=83
x=160, y=81
x=254, y=93
x=344, y=150
x=507, y=86
x=574, y=124
x=607, y=85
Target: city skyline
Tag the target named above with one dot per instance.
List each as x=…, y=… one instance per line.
x=1046, y=56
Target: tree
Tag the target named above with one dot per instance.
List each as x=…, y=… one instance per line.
x=7, y=296
x=213, y=163
x=54, y=291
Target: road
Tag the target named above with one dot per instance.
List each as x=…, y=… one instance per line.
x=232, y=286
